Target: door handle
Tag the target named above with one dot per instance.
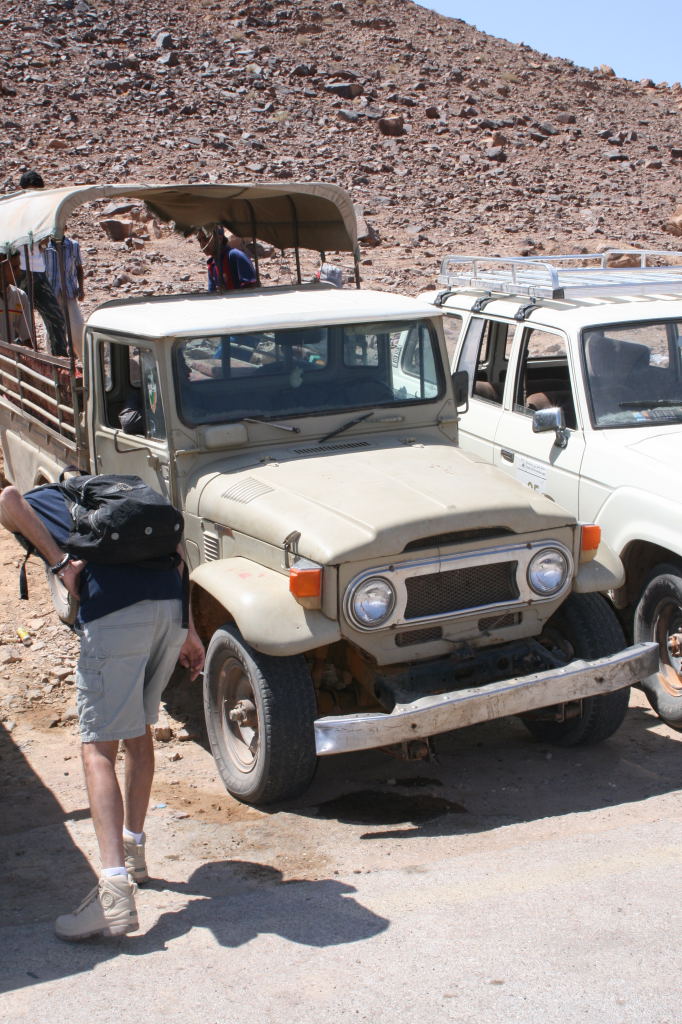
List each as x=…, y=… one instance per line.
x=507, y=455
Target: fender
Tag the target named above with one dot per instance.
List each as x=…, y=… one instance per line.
x=604, y=572
x=630, y=514
x=267, y=615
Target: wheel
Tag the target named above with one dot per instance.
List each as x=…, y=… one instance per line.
x=585, y=627
x=658, y=616
x=65, y=604
x=259, y=717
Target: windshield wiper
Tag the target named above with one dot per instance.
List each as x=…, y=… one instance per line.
x=654, y=403
x=346, y=425
x=272, y=423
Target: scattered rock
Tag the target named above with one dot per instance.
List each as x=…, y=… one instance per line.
x=164, y=41
x=392, y=125
x=162, y=730
x=346, y=90
x=117, y=230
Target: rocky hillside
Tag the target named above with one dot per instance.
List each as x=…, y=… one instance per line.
x=447, y=138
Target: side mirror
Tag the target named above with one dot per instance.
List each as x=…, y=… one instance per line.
x=551, y=419
x=460, y=384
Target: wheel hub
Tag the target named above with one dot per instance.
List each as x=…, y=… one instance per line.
x=244, y=713
x=669, y=636
x=240, y=716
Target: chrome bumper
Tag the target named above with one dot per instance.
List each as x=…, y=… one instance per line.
x=431, y=715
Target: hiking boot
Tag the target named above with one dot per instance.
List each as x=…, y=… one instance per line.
x=135, y=860
x=108, y=910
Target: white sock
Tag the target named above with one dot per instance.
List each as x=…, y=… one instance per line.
x=137, y=836
x=112, y=872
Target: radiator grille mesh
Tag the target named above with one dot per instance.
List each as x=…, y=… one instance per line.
x=441, y=593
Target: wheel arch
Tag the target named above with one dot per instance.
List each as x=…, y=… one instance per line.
x=639, y=557
x=257, y=600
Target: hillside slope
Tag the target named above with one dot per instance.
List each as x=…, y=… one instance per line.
x=501, y=148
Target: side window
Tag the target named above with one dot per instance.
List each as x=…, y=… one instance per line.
x=491, y=362
x=543, y=380
x=155, y=421
x=452, y=328
x=132, y=398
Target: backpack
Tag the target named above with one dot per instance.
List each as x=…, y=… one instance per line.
x=120, y=519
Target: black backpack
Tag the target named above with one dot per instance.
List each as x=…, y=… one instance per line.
x=120, y=519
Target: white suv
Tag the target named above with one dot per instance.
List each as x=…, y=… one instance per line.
x=575, y=384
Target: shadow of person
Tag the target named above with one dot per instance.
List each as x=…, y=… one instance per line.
x=239, y=900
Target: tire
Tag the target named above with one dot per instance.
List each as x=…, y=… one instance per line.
x=270, y=754
x=65, y=605
x=585, y=627
x=658, y=617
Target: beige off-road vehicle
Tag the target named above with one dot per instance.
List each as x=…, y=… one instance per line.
x=360, y=582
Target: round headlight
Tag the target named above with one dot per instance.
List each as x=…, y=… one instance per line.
x=372, y=601
x=548, y=571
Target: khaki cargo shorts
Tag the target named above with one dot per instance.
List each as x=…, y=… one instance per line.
x=125, y=662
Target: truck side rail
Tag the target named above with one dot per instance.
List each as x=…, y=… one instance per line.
x=40, y=387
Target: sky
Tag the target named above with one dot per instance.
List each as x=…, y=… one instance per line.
x=637, y=39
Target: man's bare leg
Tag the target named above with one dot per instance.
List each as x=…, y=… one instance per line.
x=106, y=802
x=139, y=766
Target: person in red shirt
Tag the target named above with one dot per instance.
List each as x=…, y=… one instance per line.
x=227, y=265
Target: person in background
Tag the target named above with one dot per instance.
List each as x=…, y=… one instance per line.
x=73, y=273
x=43, y=296
x=227, y=265
x=18, y=312
x=243, y=271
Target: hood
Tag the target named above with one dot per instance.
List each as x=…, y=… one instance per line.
x=369, y=501
x=662, y=447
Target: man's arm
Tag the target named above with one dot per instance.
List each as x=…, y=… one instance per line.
x=17, y=516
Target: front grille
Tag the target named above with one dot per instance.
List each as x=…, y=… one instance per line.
x=441, y=593
x=418, y=636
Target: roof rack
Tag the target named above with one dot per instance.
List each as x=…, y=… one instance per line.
x=550, y=278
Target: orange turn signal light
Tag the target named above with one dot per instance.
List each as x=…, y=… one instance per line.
x=305, y=582
x=590, y=539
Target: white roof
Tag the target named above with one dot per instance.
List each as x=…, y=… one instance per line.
x=255, y=309
x=575, y=313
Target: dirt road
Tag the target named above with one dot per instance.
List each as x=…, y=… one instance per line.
x=507, y=882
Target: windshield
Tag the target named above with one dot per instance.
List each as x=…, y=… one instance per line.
x=634, y=373
x=303, y=371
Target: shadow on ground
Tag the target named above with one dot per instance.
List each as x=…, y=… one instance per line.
x=492, y=775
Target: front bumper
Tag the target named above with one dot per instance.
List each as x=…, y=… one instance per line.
x=443, y=712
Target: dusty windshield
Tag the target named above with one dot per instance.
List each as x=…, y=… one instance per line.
x=634, y=373
x=302, y=371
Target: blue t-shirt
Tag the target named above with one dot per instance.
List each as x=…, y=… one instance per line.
x=103, y=588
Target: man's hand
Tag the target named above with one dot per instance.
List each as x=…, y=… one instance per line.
x=69, y=576
x=192, y=653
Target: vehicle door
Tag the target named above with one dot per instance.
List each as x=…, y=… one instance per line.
x=484, y=354
x=543, y=378
x=128, y=382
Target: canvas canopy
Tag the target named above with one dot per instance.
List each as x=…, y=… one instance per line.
x=311, y=215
